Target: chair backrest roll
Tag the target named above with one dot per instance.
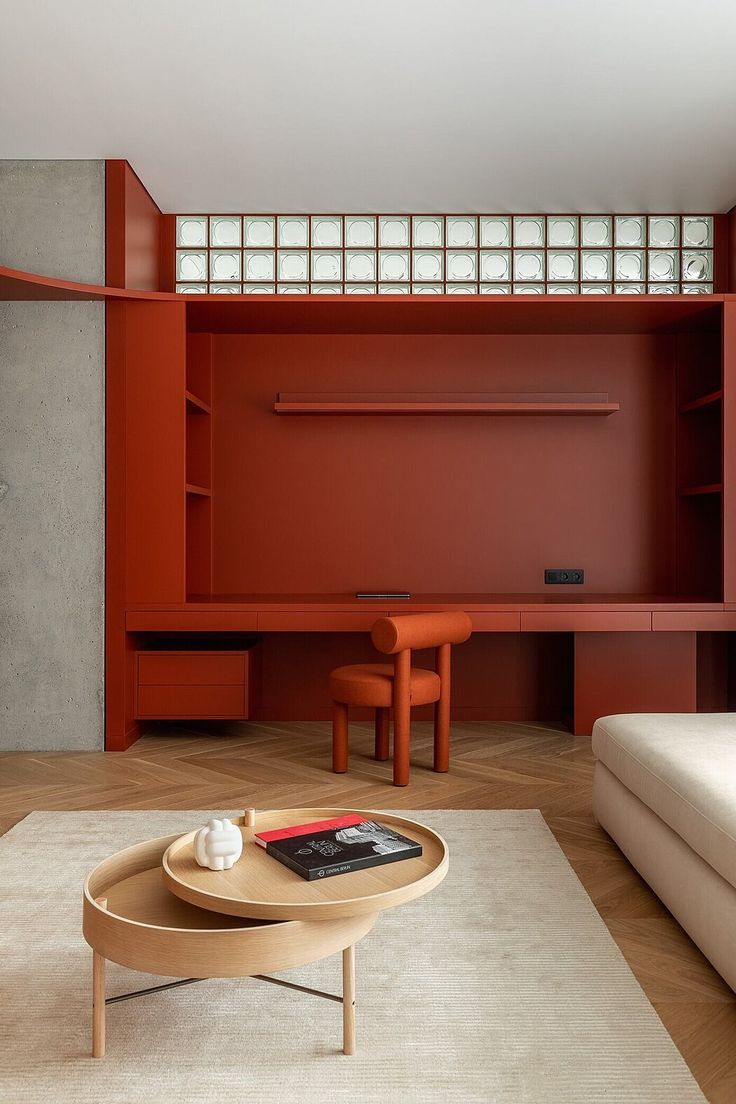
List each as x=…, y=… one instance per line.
x=420, y=630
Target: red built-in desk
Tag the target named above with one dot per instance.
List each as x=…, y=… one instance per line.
x=564, y=657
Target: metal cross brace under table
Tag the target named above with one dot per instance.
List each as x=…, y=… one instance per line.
x=193, y=981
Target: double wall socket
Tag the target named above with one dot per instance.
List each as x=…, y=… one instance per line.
x=564, y=575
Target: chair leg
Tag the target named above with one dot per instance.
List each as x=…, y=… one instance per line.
x=402, y=718
x=339, y=737
x=442, y=736
x=442, y=712
x=382, y=733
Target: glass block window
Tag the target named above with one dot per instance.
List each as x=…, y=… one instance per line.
x=458, y=254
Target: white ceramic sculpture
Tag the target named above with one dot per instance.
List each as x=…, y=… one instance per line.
x=218, y=845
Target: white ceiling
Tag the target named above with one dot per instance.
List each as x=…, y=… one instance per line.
x=387, y=105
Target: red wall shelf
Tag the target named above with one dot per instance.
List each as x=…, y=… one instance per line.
x=457, y=403
x=702, y=489
x=195, y=405
x=702, y=402
x=192, y=488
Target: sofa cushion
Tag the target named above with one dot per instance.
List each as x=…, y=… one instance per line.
x=683, y=767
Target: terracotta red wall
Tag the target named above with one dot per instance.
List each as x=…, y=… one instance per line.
x=505, y=676
x=320, y=504
x=729, y=236
x=633, y=673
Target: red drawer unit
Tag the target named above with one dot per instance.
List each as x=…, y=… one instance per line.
x=179, y=685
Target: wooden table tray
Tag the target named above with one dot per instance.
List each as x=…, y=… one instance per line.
x=258, y=886
x=145, y=927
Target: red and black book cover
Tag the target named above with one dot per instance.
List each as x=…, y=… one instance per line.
x=338, y=846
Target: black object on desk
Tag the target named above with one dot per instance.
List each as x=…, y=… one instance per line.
x=372, y=595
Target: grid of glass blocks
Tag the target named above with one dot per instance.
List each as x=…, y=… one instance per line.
x=406, y=254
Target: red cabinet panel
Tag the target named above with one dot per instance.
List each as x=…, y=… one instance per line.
x=180, y=684
x=635, y=673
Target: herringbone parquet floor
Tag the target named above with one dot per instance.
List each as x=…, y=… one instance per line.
x=494, y=766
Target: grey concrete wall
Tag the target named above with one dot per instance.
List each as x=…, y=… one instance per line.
x=52, y=463
x=52, y=218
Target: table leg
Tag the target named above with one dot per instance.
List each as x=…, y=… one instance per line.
x=348, y=1000
x=98, y=1005
x=98, y=997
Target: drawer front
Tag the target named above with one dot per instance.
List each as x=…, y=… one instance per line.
x=496, y=622
x=189, y=702
x=200, y=668
x=703, y=621
x=318, y=622
x=587, y=622
x=189, y=621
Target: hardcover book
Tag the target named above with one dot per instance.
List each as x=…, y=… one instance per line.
x=338, y=846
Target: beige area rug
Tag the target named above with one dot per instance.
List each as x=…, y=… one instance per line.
x=501, y=986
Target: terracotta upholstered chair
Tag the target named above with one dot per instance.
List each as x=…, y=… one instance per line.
x=399, y=686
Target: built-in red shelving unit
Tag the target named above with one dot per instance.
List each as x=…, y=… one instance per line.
x=591, y=433
x=597, y=432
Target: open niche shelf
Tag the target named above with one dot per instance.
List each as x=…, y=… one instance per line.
x=525, y=450
x=699, y=462
x=499, y=442
x=198, y=486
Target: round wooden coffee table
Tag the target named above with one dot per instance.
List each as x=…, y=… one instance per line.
x=257, y=917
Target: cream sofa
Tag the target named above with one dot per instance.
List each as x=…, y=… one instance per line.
x=665, y=790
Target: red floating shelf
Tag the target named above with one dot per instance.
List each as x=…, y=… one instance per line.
x=459, y=403
x=192, y=488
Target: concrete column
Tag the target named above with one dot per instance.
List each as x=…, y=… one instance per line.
x=52, y=362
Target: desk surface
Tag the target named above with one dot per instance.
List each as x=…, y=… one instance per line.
x=490, y=613
x=566, y=599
